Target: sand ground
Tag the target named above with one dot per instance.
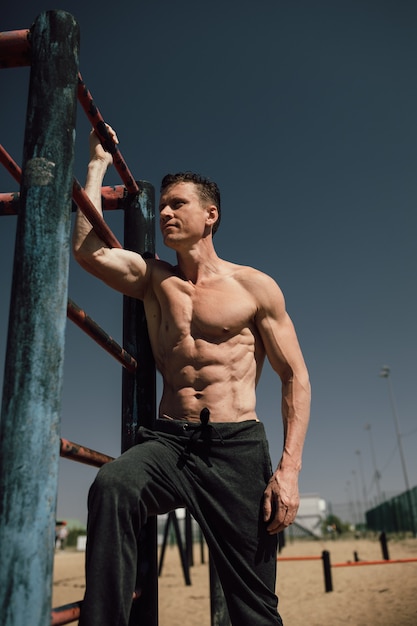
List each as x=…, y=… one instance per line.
x=364, y=595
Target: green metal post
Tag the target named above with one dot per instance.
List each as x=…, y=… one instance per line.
x=29, y=429
x=139, y=393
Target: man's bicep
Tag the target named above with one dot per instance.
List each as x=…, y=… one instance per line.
x=281, y=344
x=122, y=270
x=277, y=332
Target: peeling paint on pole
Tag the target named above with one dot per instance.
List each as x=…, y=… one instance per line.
x=29, y=428
x=139, y=390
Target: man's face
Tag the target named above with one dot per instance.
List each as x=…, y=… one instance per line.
x=182, y=215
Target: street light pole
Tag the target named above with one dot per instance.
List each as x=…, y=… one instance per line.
x=361, y=473
x=359, y=508
x=351, y=502
x=385, y=373
x=377, y=475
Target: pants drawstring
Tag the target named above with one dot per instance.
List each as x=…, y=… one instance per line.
x=201, y=432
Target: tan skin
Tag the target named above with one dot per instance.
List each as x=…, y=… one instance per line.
x=211, y=324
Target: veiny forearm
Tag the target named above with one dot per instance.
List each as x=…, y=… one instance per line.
x=85, y=242
x=282, y=498
x=296, y=397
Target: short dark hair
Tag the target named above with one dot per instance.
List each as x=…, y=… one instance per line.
x=207, y=189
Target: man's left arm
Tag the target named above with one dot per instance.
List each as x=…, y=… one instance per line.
x=282, y=499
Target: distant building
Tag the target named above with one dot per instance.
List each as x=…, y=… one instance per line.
x=310, y=516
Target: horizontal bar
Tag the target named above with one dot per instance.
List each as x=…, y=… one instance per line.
x=73, y=311
x=86, y=100
x=80, y=198
x=112, y=199
x=15, y=49
x=89, y=326
x=66, y=614
x=9, y=203
x=383, y=562
x=347, y=563
x=71, y=612
x=81, y=454
x=10, y=165
x=97, y=222
x=299, y=558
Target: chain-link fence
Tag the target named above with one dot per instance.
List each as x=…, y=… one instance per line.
x=397, y=515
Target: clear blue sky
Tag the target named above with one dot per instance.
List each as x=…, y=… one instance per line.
x=305, y=113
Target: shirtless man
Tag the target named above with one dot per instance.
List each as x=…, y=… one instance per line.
x=211, y=324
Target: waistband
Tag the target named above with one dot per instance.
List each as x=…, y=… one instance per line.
x=218, y=430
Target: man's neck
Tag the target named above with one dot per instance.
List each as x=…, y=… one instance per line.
x=197, y=264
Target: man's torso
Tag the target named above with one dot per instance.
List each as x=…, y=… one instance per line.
x=205, y=343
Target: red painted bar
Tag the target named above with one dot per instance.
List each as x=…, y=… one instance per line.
x=76, y=452
x=86, y=100
x=65, y=614
x=114, y=195
x=15, y=49
x=69, y=613
x=299, y=558
x=9, y=203
x=89, y=326
x=384, y=562
x=93, y=216
x=79, y=196
x=10, y=165
x=347, y=563
x=113, y=199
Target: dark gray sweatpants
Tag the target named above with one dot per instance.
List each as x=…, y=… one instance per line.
x=219, y=473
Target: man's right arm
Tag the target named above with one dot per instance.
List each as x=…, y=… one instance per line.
x=122, y=270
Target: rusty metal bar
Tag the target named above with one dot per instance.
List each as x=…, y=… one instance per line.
x=10, y=165
x=80, y=198
x=93, y=330
x=377, y=562
x=86, y=100
x=93, y=216
x=81, y=454
x=76, y=314
x=9, y=203
x=112, y=199
x=66, y=614
x=299, y=558
x=15, y=49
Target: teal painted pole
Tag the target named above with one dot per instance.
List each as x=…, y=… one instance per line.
x=139, y=389
x=30, y=418
x=139, y=393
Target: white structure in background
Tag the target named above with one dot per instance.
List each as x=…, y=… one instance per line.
x=311, y=513
x=310, y=516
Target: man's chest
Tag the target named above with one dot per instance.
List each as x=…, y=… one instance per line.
x=213, y=310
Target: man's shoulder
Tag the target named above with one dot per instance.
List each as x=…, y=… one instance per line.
x=262, y=287
x=161, y=268
x=251, y=274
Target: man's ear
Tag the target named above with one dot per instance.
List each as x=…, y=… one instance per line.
x=213, y=214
